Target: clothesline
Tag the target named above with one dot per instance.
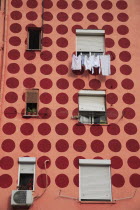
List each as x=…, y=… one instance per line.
x=102, y=62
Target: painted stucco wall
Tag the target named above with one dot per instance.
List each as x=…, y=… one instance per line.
x=54, y=135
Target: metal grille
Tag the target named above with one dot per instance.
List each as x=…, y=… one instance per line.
x=20, y=197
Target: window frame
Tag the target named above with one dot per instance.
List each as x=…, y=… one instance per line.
x=40, y=38
x=95, y=162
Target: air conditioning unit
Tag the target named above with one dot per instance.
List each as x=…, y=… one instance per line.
x=21, y=198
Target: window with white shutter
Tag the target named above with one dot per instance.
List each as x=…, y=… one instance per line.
x=92, y=107
x=95, y=180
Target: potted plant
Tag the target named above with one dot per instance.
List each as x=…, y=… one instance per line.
x=34, y=111
x=28, y=111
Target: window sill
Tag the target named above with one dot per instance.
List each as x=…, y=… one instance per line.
x=30, y=116
x=33, y=50
x=97, y=202
x=93, y=124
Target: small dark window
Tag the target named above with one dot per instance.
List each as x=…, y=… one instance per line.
x=32, y=102
x=26, y=182
x=34, y=38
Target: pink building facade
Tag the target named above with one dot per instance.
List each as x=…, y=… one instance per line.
x=54, y=133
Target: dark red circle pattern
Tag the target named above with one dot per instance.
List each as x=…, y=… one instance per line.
x=61, y=129
x=46, y=69
x=44, y=129
x=62, y=69
x=134, y=162
x=79, y=145
x=45, y=98
x=97, y=146
x=109, y=42
x=106, y=5
x=127, y=84
x=15, y=28
x=47, y=29
x=77, y=4
x=62, y=162
x=26, y=129
x=62, y=113
x=132, y=145
x=130, y=129
x=122, y=30
x=5, y=181
x=62, y=4
x=79, y=129
x=108, y=29
x=76, y=161
x=78, y=84
x=62, y=16
x=116, y=162
x=29, y=83
x=114, y=145
x=46, y=42
x=62, y=145
x=44, y=145
x=45, y=113
x=128, y=98
x=107, y=17
x=15, y=41
x=43, y=181
x=111, y=84
x=111, y=98
x=135, y=180
x=29, y=68
x=31, y=16
x=93, y=17
x=128, y=113
x=62, y=180
x=112, y=113
x=118, y=180
x=121, y=5
x=125, y=69
x=10, y=112
x=91, y=5
x=6, y=163
x=29, y=55
x=62, y=84
x=46, y=55
x=123, y=17
x=11, y=97
x=62, y=29
x=62, y=98
x=125, y=56
x=62, y=42
x=62, y=56
x=8, y=145
x=124, y=43
x=113, y=129
x=26, y=145
x=46, y=83
x=47, y=4
x=32, y=4
x=94, y=84
x=9, y=128
x=13, y=68
x=77, y=17
x=14, y=54
x=42, y=163
x=17, y=4
x=76, y=180
x=96, y=130
x=47, y=16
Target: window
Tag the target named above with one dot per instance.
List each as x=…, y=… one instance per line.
x=34, y=38
x=95, y=180
x=26, y=177
x=92, y=41
x=31, y=98
x=92, y=108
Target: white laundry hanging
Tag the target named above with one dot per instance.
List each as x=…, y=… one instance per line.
x=105, y=65
x=76, y=62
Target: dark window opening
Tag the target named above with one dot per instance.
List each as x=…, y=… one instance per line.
x=88, y=117
x=31, y=108
x=34, y=42
x=26, y=182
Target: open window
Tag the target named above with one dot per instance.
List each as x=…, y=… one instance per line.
x=31, y=97
x=92, y=107
x=95, y=180
x=34, y=38
x=26, y=178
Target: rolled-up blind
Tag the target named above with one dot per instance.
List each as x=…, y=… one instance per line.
x=32, y=96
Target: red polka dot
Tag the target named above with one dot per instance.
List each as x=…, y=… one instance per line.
x=111, y=84
x=62, y=84
x=116, y=162
x=12, y=82
x=31, y=16
x=62, y=145
x=109, y=42
x=14, y=54
x=30, y=26
x=77, y=4
x=62, y=16
x=29, y=83
x=113, y=70
x=44, y=145
x=107, y=17
x=6, y=163
x=45, y=98
x=29, y=68
x=125, y=69
x=132, y=145
x=75, y=112
x=46, y=83
x=77, y=17
x=122, y=17
x=16, y=15
x=124, y=43
x=47, y=29
x=42, y=163
x=97, y=146
x=29, y=55
x=62, y=180
x=130, y=129
x=76, y=180
x=118, y=180
x=78, y=84
x=94, y=84
x=62, y=4
x=8, y=145
x=47, y=4
x=46, y=42
x=5, y=181
x=43, y=181
x=96, y=130
x=128, y=113
x=46, y=69
x=26, y=129
x=62, y=113
x=79, y=145
x=15, y=41
x=112, y=113
x=76, y=27
x=62, y=98
x=111, y=98
x=113, y=129
x=47, y=16
x=62, y=29
x=45, y=113
x=106, y=5
x=16, y=3
x=75, y=98
x=44, y=129
x=91, y=5
x=32, y=4
x=92, y=27
x=62, y=69
x=13, y=68
x=135, y=180
x=79, y=129
x=92, y=17
x=11, y=97
x=61, y=129
x=108, y=29
x=121, y=5
x=62, y=56
x=46, y=55
x=128, y=98
x=15, y=28
x=125, y=56
x=76, y=161
x=9, y=128
x=112, y=55
x=122, y=29
x=62, y=42
x=127, y=84
x=114, y=145
x=26, y=145
x=10, y=112
x=62, y=162
x=134, y=162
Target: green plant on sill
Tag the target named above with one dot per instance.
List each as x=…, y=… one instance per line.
x=34, y=111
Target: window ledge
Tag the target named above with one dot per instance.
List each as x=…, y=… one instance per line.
x=33, y=50
x=30, y=116
x=97, y=202
x=94, y=124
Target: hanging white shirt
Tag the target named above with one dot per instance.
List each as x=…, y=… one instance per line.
x=96, y=62
x=88, y=62
x=76, y=62
x=105, y=64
